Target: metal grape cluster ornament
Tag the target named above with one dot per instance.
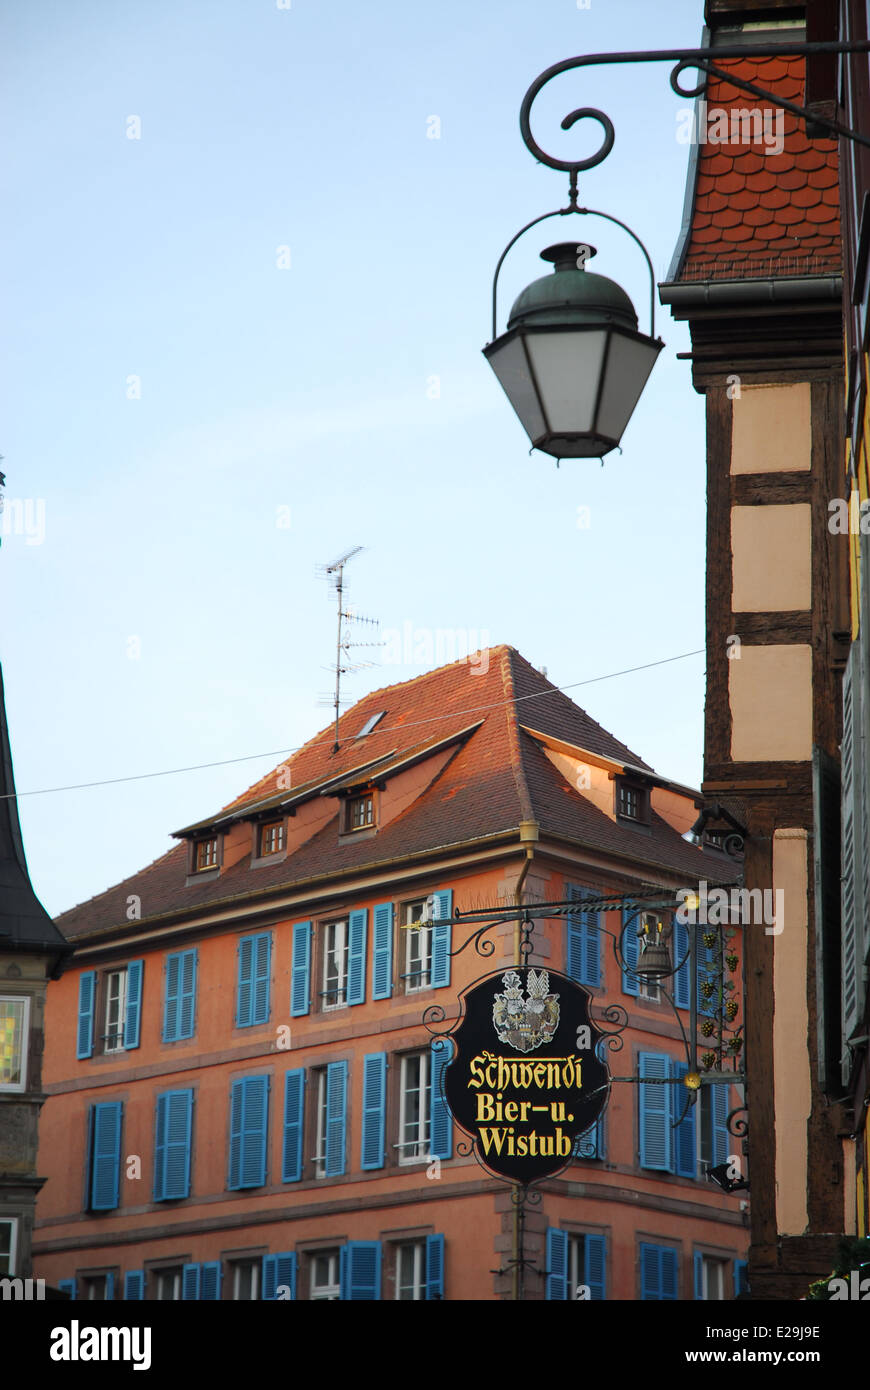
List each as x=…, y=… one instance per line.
x=526, y=1077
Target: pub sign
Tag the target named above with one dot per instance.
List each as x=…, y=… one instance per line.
x=526, y=1078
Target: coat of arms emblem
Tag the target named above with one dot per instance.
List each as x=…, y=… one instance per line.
x=525, y=1023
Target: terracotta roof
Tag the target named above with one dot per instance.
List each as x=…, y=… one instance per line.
x=496, y=777
x=757, y=213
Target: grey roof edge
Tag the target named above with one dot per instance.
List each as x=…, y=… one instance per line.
x=757, y=290
x=685, y=231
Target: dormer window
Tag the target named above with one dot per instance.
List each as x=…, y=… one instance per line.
x=205, y=854
x=360, y=812
x=271, y=838
x=632, y=802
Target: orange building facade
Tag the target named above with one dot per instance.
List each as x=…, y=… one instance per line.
x=243, y=1099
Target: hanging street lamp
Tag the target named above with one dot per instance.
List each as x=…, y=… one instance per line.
x=572, y=361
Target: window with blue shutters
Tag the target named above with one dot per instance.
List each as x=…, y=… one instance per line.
x=361, y=1270
x=279, y=1276
x=85, y=1030
x=190, y=1280
x=300, y=985
x=67, y=1286
x=357, y=929
x=331, y=1149
x=374, y=1110
x=440, y=1119
x=591, y=1144
x=249, y=1115
x=382, y=963
x=714, y=1106
x=104, y=1161
x=210, y=1280
x=659, y=1271
x=741, y=1278
x=134, y=1284
x=133, y=1007
x=294, y=1128
x=584, y=939
x=576, y=1266
x=630, y=946
x=179, y=1002
x=254, y=976
x=654, y=1100
x=442, y=937
x=172, y=1140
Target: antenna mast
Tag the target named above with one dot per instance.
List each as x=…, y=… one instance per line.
x=335, y=572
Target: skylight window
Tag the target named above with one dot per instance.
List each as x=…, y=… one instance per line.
x=370, y=723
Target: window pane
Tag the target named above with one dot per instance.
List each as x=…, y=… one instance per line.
x=12, y=1049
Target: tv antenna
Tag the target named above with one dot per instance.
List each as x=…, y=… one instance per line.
x=343, y=646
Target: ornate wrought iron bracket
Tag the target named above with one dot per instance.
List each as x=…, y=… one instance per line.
x=701, y=59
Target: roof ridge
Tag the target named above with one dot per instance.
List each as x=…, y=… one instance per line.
x=512, y=716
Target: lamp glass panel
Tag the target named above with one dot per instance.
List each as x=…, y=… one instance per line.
x=510, y=366
x=567, y=367
x=629, y=364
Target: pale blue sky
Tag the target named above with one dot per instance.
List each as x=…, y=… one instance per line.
x=310, y=388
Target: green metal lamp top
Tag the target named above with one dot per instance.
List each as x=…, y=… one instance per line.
x=572, y=296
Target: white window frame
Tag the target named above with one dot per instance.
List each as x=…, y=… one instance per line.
x=331, y=1290
x=422, y=1143
x=93, y=1282
x=418, y=943
x=711, y=1264
x=252, y=1266
x=173, y=1273
x=118, y=1044
x=576, y=1263
x=25, y=1041
x=415, y=1252
x=12, y=1223
x=320, y=1131
x=335, y=996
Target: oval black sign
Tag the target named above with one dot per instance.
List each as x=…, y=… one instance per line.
x=526, y=1078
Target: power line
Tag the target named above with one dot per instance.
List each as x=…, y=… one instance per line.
x=282, y=752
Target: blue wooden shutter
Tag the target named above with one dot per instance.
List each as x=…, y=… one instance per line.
x=85, y=1033
x=190, y=1281
x=279, y=1272
x=670, y=1272
x=374, y=1109
x=249, y=1113
x=262, y=977
x=135, y=971
x=300, y=988
x=630, y=949
x=741, y=1278
x=336, y=1118
x=698, y=1270
x=442, y=937
x=110, y=1285
x=434, y=1267
x=382, y=969
x=361, y=1270
x=105, y=1155
x=650, y=1271
x=584, y=939
x=172, y=1145
x=557, y=1264
x=684, y=1134
x=440, y=1119
x=134, y=1284
x=172, y=968
x=595, y=1256
x=187, y=994
x=210, y=1280
x=707, y=967
x=245, y=982
x=719, y=1102
x=294, y=1112
x=356, y=955
x=655, y=1112
x=682, y=977
x=67, y=1286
